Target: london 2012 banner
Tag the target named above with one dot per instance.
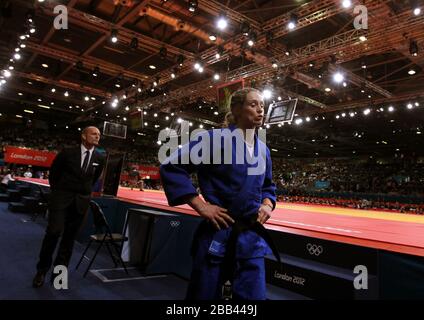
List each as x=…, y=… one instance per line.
x=28, y=156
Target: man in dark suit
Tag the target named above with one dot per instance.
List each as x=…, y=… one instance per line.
x=73, y=173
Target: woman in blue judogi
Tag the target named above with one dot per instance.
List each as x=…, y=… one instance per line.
x=230, y=244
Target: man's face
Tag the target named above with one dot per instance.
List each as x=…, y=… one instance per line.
x=91, y=137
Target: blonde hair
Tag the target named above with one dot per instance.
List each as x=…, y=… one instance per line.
x=237, y=99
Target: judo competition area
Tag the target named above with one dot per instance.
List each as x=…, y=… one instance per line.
x=320, y=246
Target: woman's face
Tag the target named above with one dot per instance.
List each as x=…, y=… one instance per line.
x=251, y=115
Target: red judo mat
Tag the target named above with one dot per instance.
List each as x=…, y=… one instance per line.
x=383, y=230
x=397, y=232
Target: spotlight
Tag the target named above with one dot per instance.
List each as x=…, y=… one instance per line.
x=222, y=23
x=32, y=30
x=16, y=56
x=220, y=52
x=197, y=65
x=413, y=48
x=200, y=69
x=7, y=73
x=338, y=77
x=114, y=36
x=363, y=38
x=134, y=43
x=30, y=15
x=173, y=75
x=180, y=60
x=192, y=5
x=346, y=4
x=412, y=72
x=391, y=109
x=267, y=93
x=245, y=28
x=96, y=71
x=292, y=22
x=216, y=76
x=212, y=37
x=417, y=11
x=367, y=112
x=252, y=38
x=409, y=106
x=66, y=94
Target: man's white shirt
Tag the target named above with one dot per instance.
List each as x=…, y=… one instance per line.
x=83, y=150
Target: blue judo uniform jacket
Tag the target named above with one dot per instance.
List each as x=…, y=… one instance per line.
x=240, y=185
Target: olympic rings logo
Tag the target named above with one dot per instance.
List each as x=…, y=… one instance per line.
x=314, y=250
x=174, y=224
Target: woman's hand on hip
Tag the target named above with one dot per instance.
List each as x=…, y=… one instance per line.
x=264, y=213
x=216, y=215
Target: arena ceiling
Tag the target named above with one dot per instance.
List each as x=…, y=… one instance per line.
x=73, y=76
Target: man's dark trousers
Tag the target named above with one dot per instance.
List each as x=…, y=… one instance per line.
x=67, y=211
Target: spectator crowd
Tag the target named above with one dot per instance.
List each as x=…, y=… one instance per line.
x=360, y=183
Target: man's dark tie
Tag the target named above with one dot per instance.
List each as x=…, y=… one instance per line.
x=85, y=163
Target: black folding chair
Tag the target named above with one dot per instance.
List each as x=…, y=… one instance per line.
x=42, y=203
x=104, y=236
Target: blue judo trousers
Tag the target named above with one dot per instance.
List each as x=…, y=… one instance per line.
x=240, y=187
